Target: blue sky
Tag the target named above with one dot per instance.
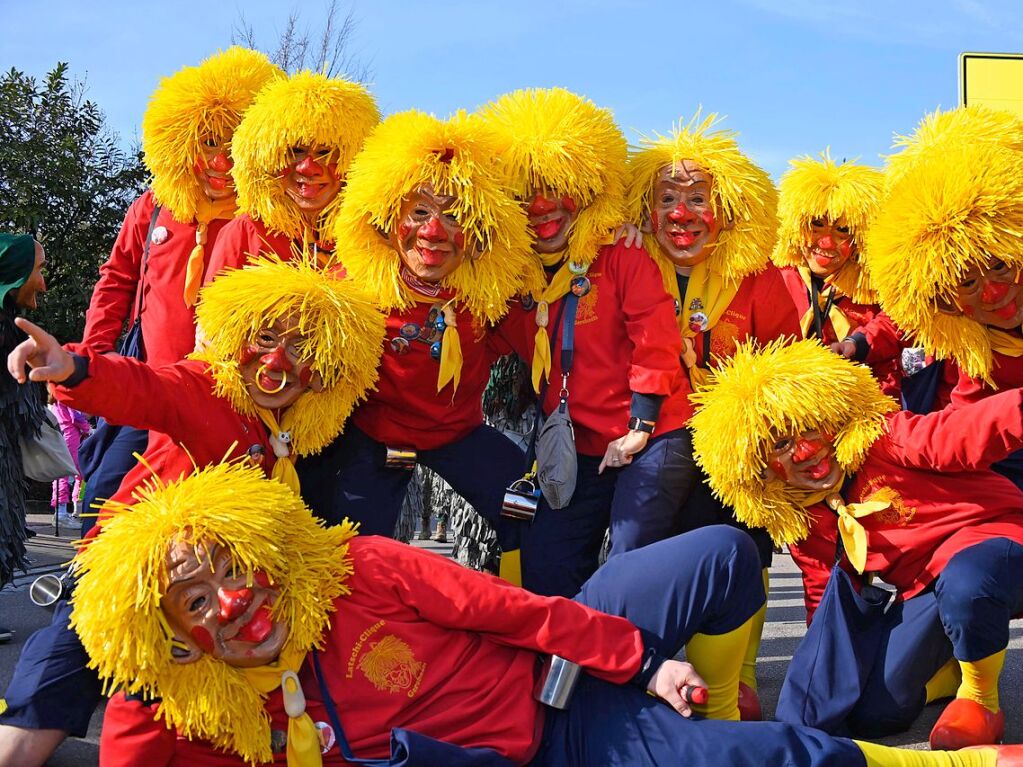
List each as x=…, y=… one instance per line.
x=792, y=76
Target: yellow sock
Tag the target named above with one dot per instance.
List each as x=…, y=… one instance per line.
x=748, y=675
x=510, y=567
x=718, y=659
x=980, y=680
x=886, y=756
x=945, y=681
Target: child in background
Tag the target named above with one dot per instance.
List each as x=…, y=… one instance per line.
x=66, y=491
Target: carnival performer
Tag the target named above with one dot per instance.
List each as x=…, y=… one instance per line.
x=824, y=209
x=21, y=407
x=948, y=261
x=829, y=468
x=291, y=155
x=270, y=639
x=625, y=391
x=428, y=224
x=712, y=214
x=158, y=260
x=289, y=351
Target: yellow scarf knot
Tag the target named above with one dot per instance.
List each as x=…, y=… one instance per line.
x=1005, y=343
x=281, y=442
x=303, y=738
x=854, y=536
x=197, y=258
x=559, y=285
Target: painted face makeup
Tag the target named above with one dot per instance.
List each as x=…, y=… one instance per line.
x=311, y=179
x=213, y=168
x=805, y=461
x=991, y=296
x=550, y=220
x=428, y=237
x=27, y=294
x=830, y=247
x=272, y=368
x=682, y=216
x=215, y=610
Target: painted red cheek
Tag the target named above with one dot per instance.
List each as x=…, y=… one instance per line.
x=459, y=240
x=778, y=468
x=202, y=638
x=845, y=248
x=655, y=221
x=403, y=229
x=968, y=311
x=248, y=354
x=708, y=218
x=568, y=204
x=261, y=578
x=305, y=375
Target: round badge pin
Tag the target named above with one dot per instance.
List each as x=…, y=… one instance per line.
x=409, y=330
x=580, y=286
x=435, y=350
x=576, y=268
x=160, y=235
x=399, y=345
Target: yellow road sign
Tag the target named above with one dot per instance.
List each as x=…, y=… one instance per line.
x=992, y=79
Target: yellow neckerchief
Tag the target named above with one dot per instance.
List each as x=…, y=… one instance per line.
x=559, y=285
x=1005, y=343
x=450, y=343
x=281, y=442
x=714, y=294
x=854, y=536
x=303, y=737
x=206, y=212
x=838, y=319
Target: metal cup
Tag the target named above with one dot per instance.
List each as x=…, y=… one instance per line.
x=47, y=590
x=401, y=458
x=521, y=500
x=557, y=682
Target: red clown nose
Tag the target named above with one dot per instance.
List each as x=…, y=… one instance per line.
x=276, y=360
x=681, y=215
x=221, y=163
x=825, y=242
x=433, y=231
x=309, y=167
x=233, y=603
x=806, y=449
x=993, y=291
x=541, y=206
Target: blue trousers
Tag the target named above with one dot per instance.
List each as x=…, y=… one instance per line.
x=706, y=581
x=105, y=457
x=478, y=467
x=639, y=502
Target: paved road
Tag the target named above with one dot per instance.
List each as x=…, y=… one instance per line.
x=785, y=626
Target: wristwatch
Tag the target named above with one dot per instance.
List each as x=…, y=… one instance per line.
x=638, y=424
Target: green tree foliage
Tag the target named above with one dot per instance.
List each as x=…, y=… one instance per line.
x=64, y=178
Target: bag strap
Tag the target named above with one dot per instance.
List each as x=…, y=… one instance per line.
x=335, y=722
x=820, y=316
x=145, y=262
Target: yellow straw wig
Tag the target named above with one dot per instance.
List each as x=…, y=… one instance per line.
x=343, y=328
x=758, y=396
x=190, y=106
x=455, y=157
x=558, y=141
x=743, y=193
x=123, y=578
x=301, y=110
x=823, y=189
x=959, y=205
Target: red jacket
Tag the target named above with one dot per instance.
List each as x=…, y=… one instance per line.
x=470, y=643
x=168, y=326
x=1007, y=373
x=240, y=240
x=936, y=466
x=885, y=340
x=626, y=340
x=406, y=410
x=189, y=425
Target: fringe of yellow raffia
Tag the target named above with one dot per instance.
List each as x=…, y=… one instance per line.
x=956, y=204
x=555, y=140
x=745, y=200
x=117, y=611
x=456, y=157
x=304, y=109
x=344, y=333
x=821, y=188
x=197, y=102
x=759, y=395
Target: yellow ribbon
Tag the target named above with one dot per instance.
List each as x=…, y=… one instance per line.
x=1005, y=343
x=558, y=287
x=304, y=748
x=284, y=468
x=450, y=352
x=715, y=295
x=838, y=319
x=206, y=212
x=854, y=536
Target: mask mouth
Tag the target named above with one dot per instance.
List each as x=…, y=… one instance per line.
x=265, y=382
x=549, y=229
x=821, y=469
x=683, y=238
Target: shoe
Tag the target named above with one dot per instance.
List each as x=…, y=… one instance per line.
x=424, y=534
x=6, y=635
x=749, y=704
x=967, y=723
x=441, y=536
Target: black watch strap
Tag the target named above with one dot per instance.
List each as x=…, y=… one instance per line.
x=638, y=424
